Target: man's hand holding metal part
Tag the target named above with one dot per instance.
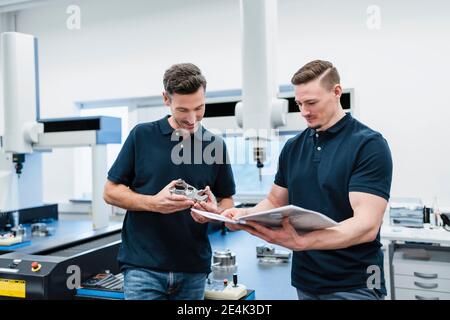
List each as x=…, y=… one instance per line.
x=168, y=202
x=210, y=205
x=201, y=199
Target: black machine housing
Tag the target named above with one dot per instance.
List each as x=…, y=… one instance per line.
x=56, y=277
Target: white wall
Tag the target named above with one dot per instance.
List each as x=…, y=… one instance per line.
x=399, y=72
x=122, y=50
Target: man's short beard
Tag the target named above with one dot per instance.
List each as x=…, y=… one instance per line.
x=177, y=122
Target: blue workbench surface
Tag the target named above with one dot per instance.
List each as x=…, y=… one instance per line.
x=65, y=231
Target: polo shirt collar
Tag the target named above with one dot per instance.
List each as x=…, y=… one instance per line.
x=338, y=126
x=166, y=128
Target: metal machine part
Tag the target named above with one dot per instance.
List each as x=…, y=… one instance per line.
x=268, y=253
x=105, y=281
x=224, y=258
x=224, y=264
x=41, y=230
x=18, y=160
x=259, y=155
x=185, y=189
x=19, y=230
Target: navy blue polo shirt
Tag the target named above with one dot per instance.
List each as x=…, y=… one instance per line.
x=319, y=169
x=169, y=242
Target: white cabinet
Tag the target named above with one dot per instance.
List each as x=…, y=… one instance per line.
x=421, y=274
x=406, y=294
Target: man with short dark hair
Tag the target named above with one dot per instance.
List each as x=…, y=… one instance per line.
x=343, y=169
x=165, y=253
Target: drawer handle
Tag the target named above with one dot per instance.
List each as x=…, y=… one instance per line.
x=426, y=285
x=426, y=275
x=425, y=298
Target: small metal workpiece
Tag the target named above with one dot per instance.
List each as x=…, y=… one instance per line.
x=41, y=230
x=185, y=189
x=266, y=252
x=224, y=264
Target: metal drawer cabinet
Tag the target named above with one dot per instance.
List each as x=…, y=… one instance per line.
x=407, y=294
x=437, y=266
x=420, y=283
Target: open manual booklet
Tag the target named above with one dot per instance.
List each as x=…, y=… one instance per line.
x=302, y=219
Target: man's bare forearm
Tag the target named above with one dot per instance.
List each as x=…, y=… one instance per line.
x=123, y=197
x=224, y=204
x=350, y=232
x=264, y=205
x=276, y=198
x=368, y=212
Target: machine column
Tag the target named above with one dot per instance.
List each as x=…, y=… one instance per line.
x=100, y=210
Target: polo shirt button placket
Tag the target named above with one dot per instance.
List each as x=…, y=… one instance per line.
x=317, y=153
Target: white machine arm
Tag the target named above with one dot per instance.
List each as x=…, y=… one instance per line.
x=20, y=96
x=260, y=110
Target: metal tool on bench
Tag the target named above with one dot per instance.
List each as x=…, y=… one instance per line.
x=224, y=264
x=185, y=189
x=41, y=229
x=105, y=281
x=268, y=253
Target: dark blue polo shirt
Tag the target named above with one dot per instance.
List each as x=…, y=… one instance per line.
x=319, y=169
x=169, y=242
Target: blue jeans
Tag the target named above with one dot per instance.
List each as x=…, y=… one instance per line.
x=146, y=284
x=356, y=294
